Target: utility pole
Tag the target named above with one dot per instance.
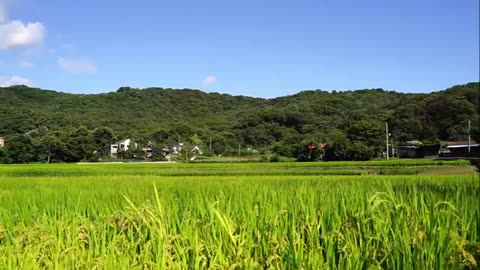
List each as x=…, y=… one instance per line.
x=386, y=137
x=469, y=137
x=239, y=149
x=210, y=147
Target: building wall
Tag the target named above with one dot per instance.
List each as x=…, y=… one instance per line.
x=113, y=150
x=124, y=145
x=463, y=151
x=411, y=152
x=120, y=146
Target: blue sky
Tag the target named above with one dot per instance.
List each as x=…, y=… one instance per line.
x=261, y=48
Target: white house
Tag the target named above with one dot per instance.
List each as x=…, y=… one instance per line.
x=197, y=150
x=2, y=142
x=119, y=146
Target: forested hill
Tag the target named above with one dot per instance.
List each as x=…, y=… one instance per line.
x=162, y=115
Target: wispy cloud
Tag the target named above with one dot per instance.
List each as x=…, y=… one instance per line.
x=209, y=80
x=3, y=13
x=25, y=64
x=17, y=34
x=14, y=80
x=77, y=66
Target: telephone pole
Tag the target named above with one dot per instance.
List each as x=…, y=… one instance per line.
x=210, y=146
x=469, y=137
x=386, y=138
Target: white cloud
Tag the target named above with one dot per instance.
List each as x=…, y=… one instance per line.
x=209, y=80
x=14, y=80
x=17, y=34
x=25, y=64
x=78, y=66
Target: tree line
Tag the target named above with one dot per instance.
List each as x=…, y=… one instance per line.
x=48, y=126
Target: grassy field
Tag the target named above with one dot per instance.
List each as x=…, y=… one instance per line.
x=402, y=167
x=340, y=215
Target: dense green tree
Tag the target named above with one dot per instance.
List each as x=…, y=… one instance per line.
x=49, y=148
x=3, y=156
x=371, y=133
x=196, y=140
x=20, y=149
x=450, y=114
x=102, y=138
x=80, y=145
x=359, y=150
x=157, y=153
x=181, y=132
x=337, y=146
x=260, y=136
x=160, y=136
x=405, y=124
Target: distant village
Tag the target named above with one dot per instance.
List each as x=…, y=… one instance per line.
x=408, y=149
x=449, y=149
x=117, y=148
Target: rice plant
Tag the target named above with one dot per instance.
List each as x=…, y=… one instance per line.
x=277, y=221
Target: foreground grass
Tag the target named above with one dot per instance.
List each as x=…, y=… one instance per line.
x=246, y=222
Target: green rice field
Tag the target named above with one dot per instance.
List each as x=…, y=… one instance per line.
x=339, y=215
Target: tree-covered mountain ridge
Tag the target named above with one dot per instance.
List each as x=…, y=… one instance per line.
x=164, y=115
